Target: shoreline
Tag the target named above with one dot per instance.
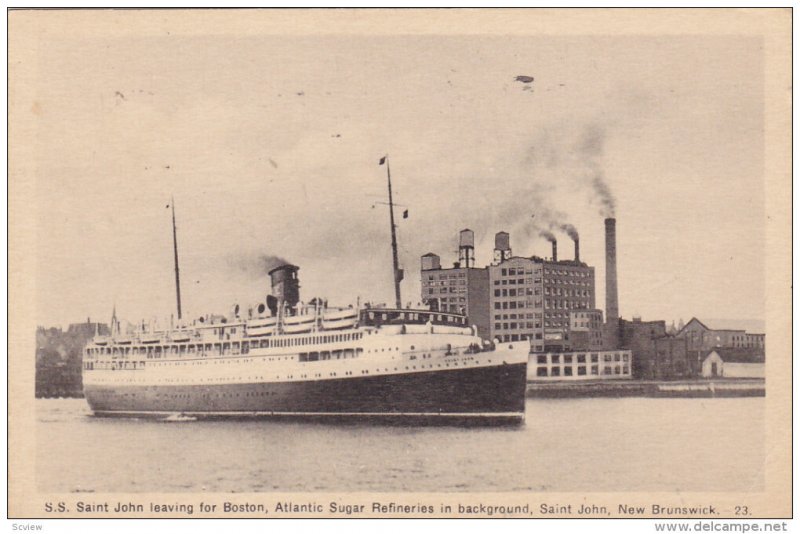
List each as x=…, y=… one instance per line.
x=718, y=388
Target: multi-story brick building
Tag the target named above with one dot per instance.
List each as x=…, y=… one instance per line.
x=586, y=329
x=518, y=298
x=463, y=288
x=702, y=338
x=568, y=286
x=515, y=299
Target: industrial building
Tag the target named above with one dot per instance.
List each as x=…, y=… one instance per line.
x=518, y=298
x=701, y=337
x=579, y=365
x=462, y=288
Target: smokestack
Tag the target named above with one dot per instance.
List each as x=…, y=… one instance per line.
x=612, y=303
x=577, y=251
x=285, y=284
x=555, y=250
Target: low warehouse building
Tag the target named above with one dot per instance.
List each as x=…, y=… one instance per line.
x=733, y=363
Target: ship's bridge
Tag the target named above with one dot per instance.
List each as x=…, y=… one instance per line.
x=388, y=316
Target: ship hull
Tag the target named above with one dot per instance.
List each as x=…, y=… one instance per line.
x=482, y=393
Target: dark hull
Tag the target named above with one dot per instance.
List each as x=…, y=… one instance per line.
x=481, y=392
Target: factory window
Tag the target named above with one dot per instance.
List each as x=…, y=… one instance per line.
x=503, y=272
x=606, y=357
x=497, y=326
x=555, y=358
x=513, y=305
x=542, y=358
x=541, y=371
x=567, y=371
x=538, y=336
x=595, y=370
x=555, y=371
x=594, y=358
x=512, y=292
x=568, y=358
x=607, y=370
x=581, y=370
x=617, y=369
x=625, y=370
x=496, y=292
x=625, y=357
x=616, y=357
x=581, y=358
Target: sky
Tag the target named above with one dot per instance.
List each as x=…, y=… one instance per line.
x=270, y=146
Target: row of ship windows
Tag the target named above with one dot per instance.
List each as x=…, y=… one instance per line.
x=121, y=365
x=225, y=348
x=303, y=357
x=316, y=375
x=581, y=370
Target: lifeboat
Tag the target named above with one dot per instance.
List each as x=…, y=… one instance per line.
x=179, y=337
x=261, y=327
x=266, y=322
x=100, y=340
x=295, y=324
x=346, y=318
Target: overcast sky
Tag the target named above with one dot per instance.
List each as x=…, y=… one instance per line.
x=270, y=145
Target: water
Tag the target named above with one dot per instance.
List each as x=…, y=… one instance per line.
x=569, y=445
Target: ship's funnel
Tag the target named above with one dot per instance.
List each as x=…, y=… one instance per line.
x=285, y=284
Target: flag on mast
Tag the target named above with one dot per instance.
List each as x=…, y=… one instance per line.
x=405, y=214
x=382, y=161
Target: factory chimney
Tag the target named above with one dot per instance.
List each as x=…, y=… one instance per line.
x=555, y=250
x=612, y=302
x=577, y=251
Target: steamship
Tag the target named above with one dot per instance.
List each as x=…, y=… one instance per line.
x=283, y=357
x=288, y=358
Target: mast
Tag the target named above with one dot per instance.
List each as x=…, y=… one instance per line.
x=175, y=248
x=398, y=273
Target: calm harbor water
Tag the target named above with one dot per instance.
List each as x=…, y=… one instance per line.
x=627, y=444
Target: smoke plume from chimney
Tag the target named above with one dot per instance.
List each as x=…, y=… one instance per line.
x=550, y=237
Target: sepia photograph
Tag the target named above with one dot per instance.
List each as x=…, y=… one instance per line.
x=523, y=263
